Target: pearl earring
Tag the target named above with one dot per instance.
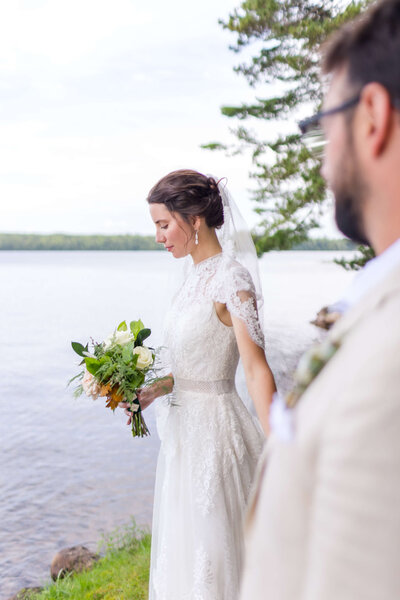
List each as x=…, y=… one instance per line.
x=196, y=238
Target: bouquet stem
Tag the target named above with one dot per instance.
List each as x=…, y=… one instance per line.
x=139, y=427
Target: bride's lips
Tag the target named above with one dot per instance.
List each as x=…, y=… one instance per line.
x=169, y=248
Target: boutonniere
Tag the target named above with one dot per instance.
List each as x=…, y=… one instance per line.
x=310, y=365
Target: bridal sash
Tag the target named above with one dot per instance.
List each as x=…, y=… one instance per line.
x=220, y=386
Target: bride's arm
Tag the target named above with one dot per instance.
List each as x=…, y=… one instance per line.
x=240, y=311
x=259, y=378
x=160, y=387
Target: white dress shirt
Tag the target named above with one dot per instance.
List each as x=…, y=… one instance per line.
x=374, y=271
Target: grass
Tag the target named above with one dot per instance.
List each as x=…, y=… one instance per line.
x=122, y=573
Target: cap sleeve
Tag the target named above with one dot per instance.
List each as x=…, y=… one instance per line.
x=241, y=300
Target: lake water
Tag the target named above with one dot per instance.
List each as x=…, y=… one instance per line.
x=69, y=469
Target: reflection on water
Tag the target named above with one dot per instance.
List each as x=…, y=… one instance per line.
x=69, y=469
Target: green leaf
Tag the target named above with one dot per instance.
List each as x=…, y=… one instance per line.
x=79, y=348
x=92, y=365
x=122, y=326
x=127, y=352
x=135, y=327
x=142, y=335
x=79, y=376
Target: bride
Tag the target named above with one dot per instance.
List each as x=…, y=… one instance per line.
x=210, y=443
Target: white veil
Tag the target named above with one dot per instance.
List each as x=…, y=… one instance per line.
x=237, y=242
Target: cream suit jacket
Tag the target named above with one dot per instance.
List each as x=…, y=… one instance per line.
x=324, y=520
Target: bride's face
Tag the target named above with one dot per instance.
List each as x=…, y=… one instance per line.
x=172, y=231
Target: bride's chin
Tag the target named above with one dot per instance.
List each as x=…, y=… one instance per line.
x=179, y=253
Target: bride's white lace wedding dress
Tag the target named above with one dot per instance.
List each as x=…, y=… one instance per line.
x=210, y=443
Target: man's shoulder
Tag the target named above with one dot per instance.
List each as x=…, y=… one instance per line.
x=379, y=327
x=382, y=300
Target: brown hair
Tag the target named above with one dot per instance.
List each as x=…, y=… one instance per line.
x=369, y=47
x=189, y=193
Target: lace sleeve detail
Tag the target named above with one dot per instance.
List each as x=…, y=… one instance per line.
x=237, y=291
x=223, y=279
x=243, y=305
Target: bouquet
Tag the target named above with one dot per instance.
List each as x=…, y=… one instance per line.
x=116, y=368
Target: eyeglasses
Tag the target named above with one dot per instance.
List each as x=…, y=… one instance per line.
x=313, y=135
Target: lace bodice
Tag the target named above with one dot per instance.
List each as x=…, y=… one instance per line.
x=199, y=346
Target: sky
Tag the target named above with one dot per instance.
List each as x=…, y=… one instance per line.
x=101, y=98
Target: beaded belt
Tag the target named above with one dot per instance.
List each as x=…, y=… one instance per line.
x=220, y=386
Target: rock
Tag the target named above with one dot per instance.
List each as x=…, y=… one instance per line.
x=26, y=593
x=72, y=560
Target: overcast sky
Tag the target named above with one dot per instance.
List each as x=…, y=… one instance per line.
x=101, y=98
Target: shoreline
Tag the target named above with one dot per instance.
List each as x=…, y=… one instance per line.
x=119, y=572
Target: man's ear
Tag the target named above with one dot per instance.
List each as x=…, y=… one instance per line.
x=376, y=117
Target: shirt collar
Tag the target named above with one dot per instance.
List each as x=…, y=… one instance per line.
x=373, y=273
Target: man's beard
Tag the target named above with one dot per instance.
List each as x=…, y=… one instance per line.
x=350, y=193
x=348, y=217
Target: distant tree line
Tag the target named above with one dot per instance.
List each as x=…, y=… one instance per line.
x=325, y=244
x=58, y=241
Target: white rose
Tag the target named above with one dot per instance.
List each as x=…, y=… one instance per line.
x=118, y=337
x=145, y=357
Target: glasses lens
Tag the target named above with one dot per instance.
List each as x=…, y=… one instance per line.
x=315, y=141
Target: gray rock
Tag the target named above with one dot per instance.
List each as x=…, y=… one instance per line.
x=72, y=560
x=26, y=593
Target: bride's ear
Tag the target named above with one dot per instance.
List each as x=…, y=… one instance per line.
x=195, y=222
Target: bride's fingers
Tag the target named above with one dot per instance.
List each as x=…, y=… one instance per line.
x=129, y=421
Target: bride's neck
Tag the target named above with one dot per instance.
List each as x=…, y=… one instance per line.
x=208, y=246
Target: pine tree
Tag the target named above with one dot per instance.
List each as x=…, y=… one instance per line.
x=290, y=191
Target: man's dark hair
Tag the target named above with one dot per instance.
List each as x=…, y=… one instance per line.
x=369, y=47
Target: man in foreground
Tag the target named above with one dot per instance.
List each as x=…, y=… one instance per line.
x=324, y=523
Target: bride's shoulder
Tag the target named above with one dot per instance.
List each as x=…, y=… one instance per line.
x=235, y=273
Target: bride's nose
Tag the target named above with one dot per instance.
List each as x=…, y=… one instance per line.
x=160, y=237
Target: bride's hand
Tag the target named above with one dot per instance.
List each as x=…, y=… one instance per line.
x=148, y=394
x=144, y=403
x=145, y=397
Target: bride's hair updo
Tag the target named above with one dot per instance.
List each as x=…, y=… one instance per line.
x=189, y=193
